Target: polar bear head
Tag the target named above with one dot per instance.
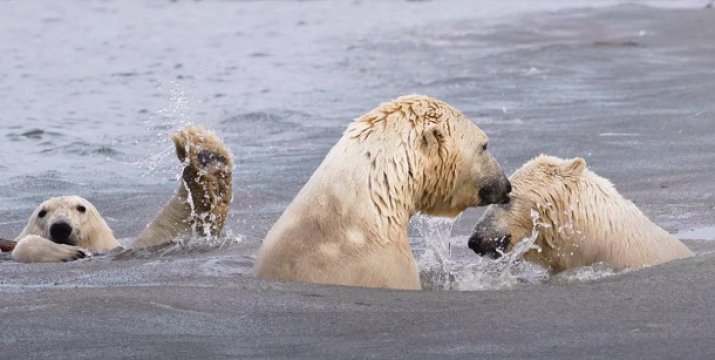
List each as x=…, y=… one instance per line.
x=426, y=154
x=70, y=220
x=545, y=190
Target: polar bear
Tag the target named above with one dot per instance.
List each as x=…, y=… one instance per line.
x=64, y=228
x=348, y=225
x=580, y=218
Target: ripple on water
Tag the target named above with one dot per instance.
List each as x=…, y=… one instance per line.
x=32, y=134
x=82, y=148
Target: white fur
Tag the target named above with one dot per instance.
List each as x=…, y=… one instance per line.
x=582, y=219
x=33, y=248
x=348, y=225
x=202, y=201
x=89, y=231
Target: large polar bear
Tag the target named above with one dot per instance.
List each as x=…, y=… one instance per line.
x=580, y=218
x=61, y=228
x=348, y=225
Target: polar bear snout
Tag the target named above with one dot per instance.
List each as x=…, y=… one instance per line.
x=490, y=247
x=496, y=193
x=60, y=232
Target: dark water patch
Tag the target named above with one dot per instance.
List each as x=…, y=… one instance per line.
x=257, y=116
x=51, y=20
x=611, y=43
x=33, y=134
x=267, y=117
x=457, y=80
x=126, y=74
x=259, y=55
x=82, y=148
x=106, y=151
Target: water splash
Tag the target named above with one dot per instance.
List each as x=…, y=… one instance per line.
x=177, y=114
x=436, y=232
x=441, y=268
x=464, y=271
x=183, y=245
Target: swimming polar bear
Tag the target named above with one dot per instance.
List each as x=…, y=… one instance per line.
x=69, y=227
x=348, y=225
x=580, y=220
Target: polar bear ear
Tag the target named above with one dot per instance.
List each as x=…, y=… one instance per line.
x=432, y=137
x=573, y=167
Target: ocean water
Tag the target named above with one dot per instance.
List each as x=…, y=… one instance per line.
x=91, y=90
x=88, y=109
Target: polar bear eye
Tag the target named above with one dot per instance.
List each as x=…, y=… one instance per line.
x=81, y=208
x=42, y=213
x=484, y=147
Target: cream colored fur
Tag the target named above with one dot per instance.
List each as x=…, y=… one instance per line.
x=33, y=248
x=348, y=225
x=201, y=203
x=199, y=207
x=582, y=219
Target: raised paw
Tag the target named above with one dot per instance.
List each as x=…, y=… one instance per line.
x=207, y=176
x=202, y=149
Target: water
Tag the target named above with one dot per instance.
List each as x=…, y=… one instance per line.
x=447, y=264
x=705, y=233
x=91, y=90
x=103, y=131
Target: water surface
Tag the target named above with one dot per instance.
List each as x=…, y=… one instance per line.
x=90, y=92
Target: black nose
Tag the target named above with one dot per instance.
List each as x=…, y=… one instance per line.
x=491, y=248
x=60, y=232
x=496, y=193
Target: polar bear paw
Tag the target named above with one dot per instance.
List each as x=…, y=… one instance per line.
x=207, y=176
x=33, y=249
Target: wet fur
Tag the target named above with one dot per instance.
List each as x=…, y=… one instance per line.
x=348, y=225
x=201, y=203
x=199, y=207
x=582, y=219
